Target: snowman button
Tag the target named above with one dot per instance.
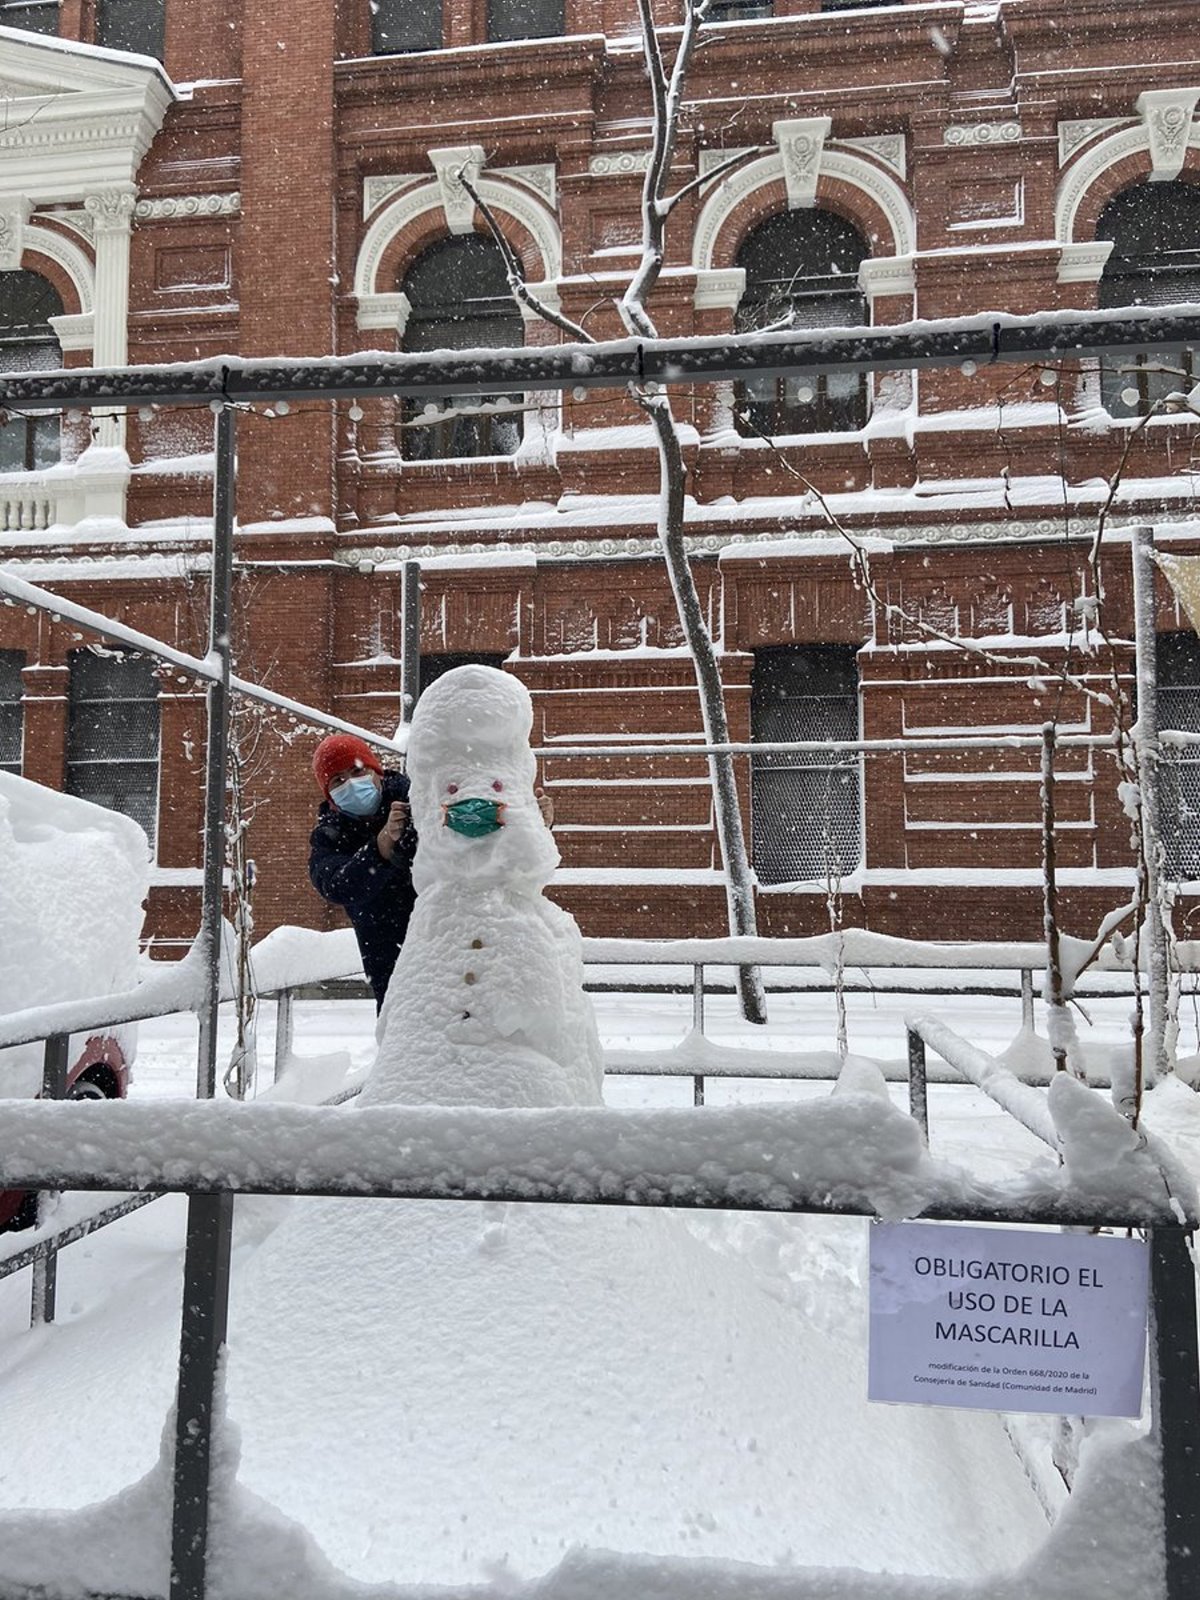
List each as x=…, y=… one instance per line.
x=469, y=977
x=476, y=944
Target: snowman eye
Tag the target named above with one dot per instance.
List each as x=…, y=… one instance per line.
x=451, y=788
x=497, y=785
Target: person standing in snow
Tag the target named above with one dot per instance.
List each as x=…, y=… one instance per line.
x=361, y=850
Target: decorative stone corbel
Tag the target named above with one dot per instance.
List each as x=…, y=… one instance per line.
x=1167, y=114
x=801, y=144
x=111, y=210
x=448, y=162
x=882, y=275
x=1083, y=262
x=384, y=311
x=74, y=330
x=14, y=214
x=719, y=288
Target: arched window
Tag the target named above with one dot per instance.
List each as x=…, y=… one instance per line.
x=524, y=19
x=28, y=344
x=460, y=300
x=136, y=25
x=802, y=265
x=401, y=25
x=1155, y=261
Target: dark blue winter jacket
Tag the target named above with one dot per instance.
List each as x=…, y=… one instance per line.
x=377, y=895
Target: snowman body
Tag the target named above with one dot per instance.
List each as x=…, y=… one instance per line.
x=486, y=1004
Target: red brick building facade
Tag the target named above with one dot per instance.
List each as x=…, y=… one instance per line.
x=284, y=185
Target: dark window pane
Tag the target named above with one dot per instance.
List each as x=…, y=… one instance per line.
x=739, y=10
x=11, y=662
x=1179, y=792
x=113, y=734
x=857, y=5
x=432, y=666
x=806, y=807
x=400, y=25
x=524, y=19
x=28, y=344
x=1155, y=261
x=35, y=16
x=135, y=25
x=802, y=268
x=460, y=300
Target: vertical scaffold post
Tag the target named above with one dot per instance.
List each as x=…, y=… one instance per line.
x=284, y=1028
x=698, y=1027
x=1027, y=1000
x=918, y=1098
x=410, y=640
x=1149, y=752
x=210, y=1217
x=44, y=1295
x=1175, y=1380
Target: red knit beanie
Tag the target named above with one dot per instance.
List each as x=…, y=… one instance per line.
x=339, y=753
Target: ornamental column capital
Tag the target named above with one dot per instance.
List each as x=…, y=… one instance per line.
x=111, y=209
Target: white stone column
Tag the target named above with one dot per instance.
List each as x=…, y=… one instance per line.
x=111, y=211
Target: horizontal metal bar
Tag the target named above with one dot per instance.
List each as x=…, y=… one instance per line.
x=73, y=1232
x=987, y=338
x=915, y=745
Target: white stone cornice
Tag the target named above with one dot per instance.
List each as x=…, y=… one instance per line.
x=384, y=311
x=801, y=142
x=618, y=164
x=457, y=204
x=14, y=214
x=406, y=208
x=1072, y=136
x=724, y=199
x=168, y=207
x=1084, y=262
x=111, y=210
x=882, y=275
x=381, y=186
x=550, y=296
x=1167, y=116
x=75, y=331
x=982, y=133
x=720, y=289
x=889, y=149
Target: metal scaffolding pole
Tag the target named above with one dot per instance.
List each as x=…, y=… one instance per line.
x=1149, y=755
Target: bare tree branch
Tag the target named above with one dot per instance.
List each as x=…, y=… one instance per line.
x=702, y=179
x=516, y=272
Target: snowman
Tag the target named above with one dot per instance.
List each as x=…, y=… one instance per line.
x=486, y=1004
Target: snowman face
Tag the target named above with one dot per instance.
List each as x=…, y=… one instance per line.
x=473, y=775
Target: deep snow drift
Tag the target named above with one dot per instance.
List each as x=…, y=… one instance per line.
x=474, y=1390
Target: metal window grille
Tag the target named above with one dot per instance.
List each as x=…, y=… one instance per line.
x=398, y=26
x=1179, y=773
x=858, y=5
x=460, y=300
x=11, y=662
x=28, y=344
x=113, y=733
x=34, y=16
x=1155, y=261
x=739, y=10
x=802, y=265
x=525, y=19
x=137, y=25
x=807, y=809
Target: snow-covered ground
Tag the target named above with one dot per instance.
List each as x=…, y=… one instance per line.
x=744, y=1364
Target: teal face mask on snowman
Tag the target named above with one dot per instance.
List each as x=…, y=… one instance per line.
x=474, y=818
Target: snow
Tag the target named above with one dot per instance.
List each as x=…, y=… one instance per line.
x=73, y=877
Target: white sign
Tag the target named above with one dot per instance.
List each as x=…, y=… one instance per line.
x=1007, y=1319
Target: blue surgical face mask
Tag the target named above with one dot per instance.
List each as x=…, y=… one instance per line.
x=357, y=797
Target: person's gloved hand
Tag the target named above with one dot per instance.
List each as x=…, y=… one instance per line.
x=389, y=834
x=545, y=806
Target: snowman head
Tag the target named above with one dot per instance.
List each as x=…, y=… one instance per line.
x=472, y=779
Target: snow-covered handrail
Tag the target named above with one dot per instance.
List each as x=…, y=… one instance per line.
x=207, y=669
x=1027, y=1105
x=851, y=1155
